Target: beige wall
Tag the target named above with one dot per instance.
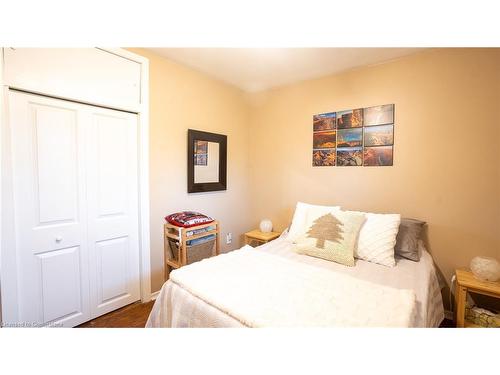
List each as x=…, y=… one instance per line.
x=446, y=155
x=446, y=164
x=181, y=98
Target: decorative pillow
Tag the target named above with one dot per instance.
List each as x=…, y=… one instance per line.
x=331, y=236
x=300, y=218
x=377, y=238
x=188, y=219
x=410, y=231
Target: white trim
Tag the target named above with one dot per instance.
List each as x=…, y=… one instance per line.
x=143, y=147
x=8, y=255
x=144, y=185
x=1, y=170
x=126, y=54
x=155, y=295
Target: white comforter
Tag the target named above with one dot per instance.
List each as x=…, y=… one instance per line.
x=258, y=289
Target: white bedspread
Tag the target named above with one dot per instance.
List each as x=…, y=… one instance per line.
x=181, y=304
x=264, y=290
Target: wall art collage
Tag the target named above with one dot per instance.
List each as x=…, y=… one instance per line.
x=357, y=137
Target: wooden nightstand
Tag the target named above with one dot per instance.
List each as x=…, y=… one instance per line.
x=260, y=237
x=466, y=282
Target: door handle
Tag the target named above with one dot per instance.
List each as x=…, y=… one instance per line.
x=58, y=239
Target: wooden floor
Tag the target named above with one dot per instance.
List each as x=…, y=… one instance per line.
x=136, y=315
x=131, y=316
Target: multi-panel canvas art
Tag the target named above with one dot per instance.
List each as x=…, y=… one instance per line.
x=357, y=137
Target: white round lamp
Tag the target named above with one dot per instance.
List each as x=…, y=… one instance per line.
x=266, y=226
x=485, y=268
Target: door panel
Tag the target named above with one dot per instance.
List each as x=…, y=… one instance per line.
x=50, y=212
x=56, y=166
x=112, y=276
x=61, y=284
x=112, y=209
x=112, y=149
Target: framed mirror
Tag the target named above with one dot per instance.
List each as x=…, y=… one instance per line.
x=207, y=157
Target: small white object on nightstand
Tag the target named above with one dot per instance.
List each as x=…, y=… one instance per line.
x=266, y=226
x=485, y=268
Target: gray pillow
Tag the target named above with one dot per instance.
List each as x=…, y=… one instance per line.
x=410, y=231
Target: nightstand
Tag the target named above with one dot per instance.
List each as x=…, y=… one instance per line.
x=466, y=282
x=260, y=237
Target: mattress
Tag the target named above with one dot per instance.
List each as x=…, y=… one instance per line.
x=176, y=307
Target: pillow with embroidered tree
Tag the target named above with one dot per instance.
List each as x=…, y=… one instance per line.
x=332, y=236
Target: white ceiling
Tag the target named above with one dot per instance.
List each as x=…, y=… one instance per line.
x=257, y=69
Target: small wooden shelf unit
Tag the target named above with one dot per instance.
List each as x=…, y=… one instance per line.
x=466, y=282
x=182, y=235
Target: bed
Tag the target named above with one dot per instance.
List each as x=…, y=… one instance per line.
x=184, y=304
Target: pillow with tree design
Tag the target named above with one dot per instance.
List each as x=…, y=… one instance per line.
x=332, y=236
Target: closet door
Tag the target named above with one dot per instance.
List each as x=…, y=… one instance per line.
x=75, y=185
x=48, y=164
x=112, y=190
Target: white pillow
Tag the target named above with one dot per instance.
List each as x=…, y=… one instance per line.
x=304, y=214
x=377, y=238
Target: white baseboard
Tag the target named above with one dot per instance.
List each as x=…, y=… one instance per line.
x=154, y=295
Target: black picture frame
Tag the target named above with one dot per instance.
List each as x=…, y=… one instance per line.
x=197, y=135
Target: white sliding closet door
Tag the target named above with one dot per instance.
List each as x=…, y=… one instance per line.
x=75, y=202
x=112, y=210
x=48, y=163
